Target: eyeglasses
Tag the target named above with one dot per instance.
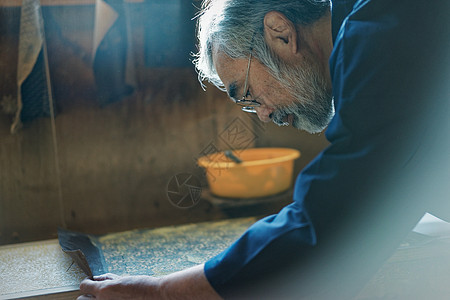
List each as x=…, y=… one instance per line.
x=248, y=105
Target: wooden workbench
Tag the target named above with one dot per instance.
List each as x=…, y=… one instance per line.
x=42, y=270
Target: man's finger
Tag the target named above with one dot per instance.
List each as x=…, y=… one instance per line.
x=88, y=286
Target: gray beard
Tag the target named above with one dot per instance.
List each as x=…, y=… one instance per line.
x=313, y=107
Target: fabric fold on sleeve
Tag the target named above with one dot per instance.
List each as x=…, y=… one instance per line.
x=287, y=231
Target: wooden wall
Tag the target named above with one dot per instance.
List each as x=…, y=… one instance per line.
x=115, y=161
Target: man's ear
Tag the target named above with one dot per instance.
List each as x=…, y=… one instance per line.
x=280, y=34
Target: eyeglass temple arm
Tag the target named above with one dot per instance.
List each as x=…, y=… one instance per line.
x=246, y=76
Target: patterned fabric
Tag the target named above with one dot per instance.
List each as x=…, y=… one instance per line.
x=155, y=252
x=32, y=79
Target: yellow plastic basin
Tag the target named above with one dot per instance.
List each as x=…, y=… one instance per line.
x=263, y=172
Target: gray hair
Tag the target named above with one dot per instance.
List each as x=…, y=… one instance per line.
x=234, y=27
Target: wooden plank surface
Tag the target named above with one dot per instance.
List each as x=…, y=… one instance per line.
x=37, y=269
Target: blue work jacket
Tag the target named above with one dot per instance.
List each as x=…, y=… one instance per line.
x=385, y=166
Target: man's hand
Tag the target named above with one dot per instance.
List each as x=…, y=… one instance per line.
x=186, y=284
x=111, y=286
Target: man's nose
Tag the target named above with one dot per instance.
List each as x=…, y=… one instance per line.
x=264, y=113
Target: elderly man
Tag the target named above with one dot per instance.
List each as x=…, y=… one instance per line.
x=373, y=72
